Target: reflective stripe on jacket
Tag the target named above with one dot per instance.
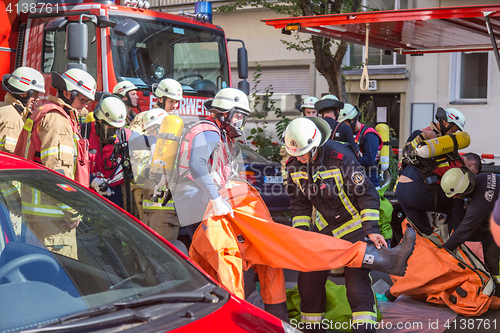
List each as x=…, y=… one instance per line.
x=11, y=122
x=52, y=137
x=337, y=186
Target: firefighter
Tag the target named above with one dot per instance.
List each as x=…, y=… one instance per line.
x=307, y=107
x=51, y=137
x=327, y=174
x=161, y=218
x=474, y=201
x=127, y=91
x=368, y=140
x=369, y=144
x=419, y=192
x=329, y=107
x=206, y=158
x=22, y=87
x=308, y=110
x=110, y=144
x=169, y=93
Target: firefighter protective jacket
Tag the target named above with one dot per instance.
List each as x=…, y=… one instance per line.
x=473, y=223
x=12, y=117
x=336, y=184
x=51, y=137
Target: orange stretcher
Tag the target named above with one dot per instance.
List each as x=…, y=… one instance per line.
x=225, y=246
x=457, y=279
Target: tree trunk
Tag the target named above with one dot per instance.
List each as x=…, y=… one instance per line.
x=329, y=65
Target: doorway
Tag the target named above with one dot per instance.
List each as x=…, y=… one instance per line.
x=382, y=108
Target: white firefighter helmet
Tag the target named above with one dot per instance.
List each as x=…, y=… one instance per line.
x=111, y=110
x=348, y=112
x=458, y=181
x=308, y=102
x=79, y=80
x=122, y=88
x=22, y=80
x=305, y=134
x=227, y=99
x=169, y=88
x=153, y=117
x=451, y=115
x=232, y=109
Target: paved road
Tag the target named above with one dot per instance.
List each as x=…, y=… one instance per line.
x=412, y=315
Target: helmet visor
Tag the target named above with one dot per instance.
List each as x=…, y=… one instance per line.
x=237, y=119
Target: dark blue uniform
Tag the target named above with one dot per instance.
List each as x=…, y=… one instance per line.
x=340, y=131
x=348, y=208
x=368, y=145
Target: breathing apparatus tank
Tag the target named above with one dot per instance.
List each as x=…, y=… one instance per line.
x=166, y=145
x=383, y=130
x=442, y=145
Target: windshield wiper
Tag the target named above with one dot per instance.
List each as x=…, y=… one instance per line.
x=184, y=297
x=122, y=311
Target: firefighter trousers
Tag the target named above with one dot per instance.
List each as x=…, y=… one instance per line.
x=360, y=295
x=417, y=198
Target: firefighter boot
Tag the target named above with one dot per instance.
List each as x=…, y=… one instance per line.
x=278, y=310
x=391, y=261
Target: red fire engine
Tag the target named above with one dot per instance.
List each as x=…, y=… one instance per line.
x=115, y=43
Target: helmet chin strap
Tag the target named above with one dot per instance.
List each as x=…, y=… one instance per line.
x=313, y=154
x=354, y=122
x=24, y=100
x=443, y=129
x=336, y=113
x=161, y=104
x=71, y=99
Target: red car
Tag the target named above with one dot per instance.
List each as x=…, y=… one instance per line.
x=111, y=273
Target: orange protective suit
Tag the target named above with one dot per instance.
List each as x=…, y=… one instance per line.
x=441, y=277
x=225, y=246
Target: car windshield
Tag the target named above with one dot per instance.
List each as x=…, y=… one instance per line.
x=49, y=269
x=193, y=55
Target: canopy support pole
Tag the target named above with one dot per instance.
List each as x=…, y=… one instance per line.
x=492, y=37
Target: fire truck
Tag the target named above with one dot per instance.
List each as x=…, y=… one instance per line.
x=121, y=40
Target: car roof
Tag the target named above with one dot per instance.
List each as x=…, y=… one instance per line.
x=10, y=161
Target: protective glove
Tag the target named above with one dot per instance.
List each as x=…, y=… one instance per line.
x=101, y=187
x=221, y=207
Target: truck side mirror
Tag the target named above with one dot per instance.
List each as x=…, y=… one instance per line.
x=77, y=41
x=244, y=86
x=242, y=63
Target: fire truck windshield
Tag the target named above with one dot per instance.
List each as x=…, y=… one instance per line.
x=190, y=54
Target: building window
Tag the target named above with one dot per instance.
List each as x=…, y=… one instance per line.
x=469, y=77
x=377, y=57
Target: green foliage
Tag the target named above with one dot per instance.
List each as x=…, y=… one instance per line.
x=288, y=8
x=258, y=135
